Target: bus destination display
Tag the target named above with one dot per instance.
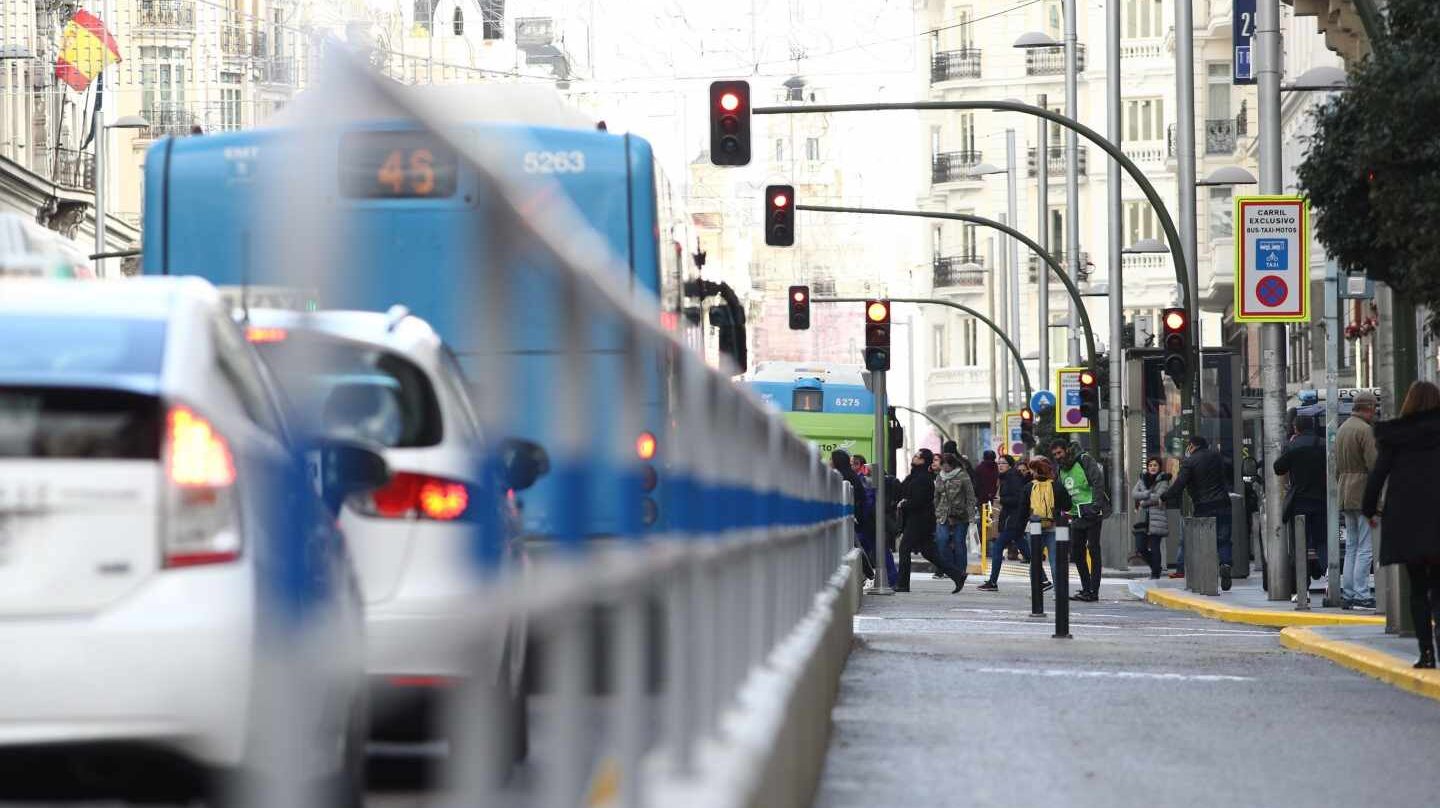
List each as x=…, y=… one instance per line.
x=396, y=165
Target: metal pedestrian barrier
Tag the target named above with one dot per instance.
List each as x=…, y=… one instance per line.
x=1202, y=560
x=671, y=607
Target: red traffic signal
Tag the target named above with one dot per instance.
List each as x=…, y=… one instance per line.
x=730, y=123
x=1175, y=340
x=780, y=215
x=799, y=302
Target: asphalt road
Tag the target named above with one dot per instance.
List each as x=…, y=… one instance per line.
x=959, y=700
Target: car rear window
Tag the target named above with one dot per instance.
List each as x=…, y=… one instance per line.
x=73, y=423
x=79, y=345
x=353, y=390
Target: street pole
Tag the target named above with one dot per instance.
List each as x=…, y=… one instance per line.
x=1118, y=478
x=993, y=286
x=910, y=367
x=877, y=381
x=1042, y=217
x=1012, y=218
x=1272, y=335
x=1185, y=179
x=1332, y=423
x=1072, y=167
x=1003, y=281
x=101, y=139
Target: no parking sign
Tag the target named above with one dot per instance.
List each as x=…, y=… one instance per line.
x=1272, y=266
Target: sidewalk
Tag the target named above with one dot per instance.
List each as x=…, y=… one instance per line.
x=1368, y=650
x=1246, y=602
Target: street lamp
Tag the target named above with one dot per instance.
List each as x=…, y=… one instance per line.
x=1035, y=39
x=1146, y=246
x=101, y=228
x=1319, y=80
x=1227, y=175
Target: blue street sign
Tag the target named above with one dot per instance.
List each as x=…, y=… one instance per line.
x=1042, y=400
x=1272, y=254
x=1242, y=32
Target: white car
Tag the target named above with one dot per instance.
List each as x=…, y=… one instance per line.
x=388, y=378
x=140, y=446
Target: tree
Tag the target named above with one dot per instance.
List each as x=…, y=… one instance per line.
x=1372, y=173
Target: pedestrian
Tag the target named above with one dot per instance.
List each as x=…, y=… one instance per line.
x=1046, y=503
x=1355, y=455
x=857, y=462
x=1405, y=468
x=1202, y=473
x=1084, y=481
x=917, y=510
x=1013, y=481
x=1152, y=526
x=987, y=478
x=1303, y=464
x=954, y=504
x=863, y=500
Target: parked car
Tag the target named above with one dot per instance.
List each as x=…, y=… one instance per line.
x=149, y=542
x=389, y=379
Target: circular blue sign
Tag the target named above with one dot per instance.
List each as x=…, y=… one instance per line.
x=1042, y=400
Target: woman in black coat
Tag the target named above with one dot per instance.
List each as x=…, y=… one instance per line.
x=917, y=509
x=1408, y=461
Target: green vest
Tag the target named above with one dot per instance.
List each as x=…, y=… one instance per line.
x=1077, y=485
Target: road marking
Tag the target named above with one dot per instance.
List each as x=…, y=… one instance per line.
x=1082, y=674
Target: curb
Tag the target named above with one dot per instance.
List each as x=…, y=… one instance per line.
x=1377, y=664
x=1208, y=607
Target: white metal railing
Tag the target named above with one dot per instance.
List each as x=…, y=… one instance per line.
x=692, y=616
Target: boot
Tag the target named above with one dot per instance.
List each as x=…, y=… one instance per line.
x=959, y=578
x=1427, y=659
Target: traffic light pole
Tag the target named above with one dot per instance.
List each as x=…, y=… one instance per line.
x=1014, y=351
x=882, y=448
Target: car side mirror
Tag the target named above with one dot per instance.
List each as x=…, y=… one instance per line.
x=348, y=467
x=523, y=462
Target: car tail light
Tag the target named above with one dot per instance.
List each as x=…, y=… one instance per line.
x=415, y=496
x=202, y=523
x=261, y=335
x=646, y=445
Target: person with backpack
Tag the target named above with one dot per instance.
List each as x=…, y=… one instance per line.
x=863, y=498
x=1014, y=481
x=1046, y=502
x=917, y=510
x=1084, y=482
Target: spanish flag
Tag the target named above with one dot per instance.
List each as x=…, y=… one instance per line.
x=85, y=49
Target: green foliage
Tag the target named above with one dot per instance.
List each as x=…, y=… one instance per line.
x=1372, y=172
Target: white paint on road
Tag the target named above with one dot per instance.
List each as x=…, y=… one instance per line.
x=1070, y=673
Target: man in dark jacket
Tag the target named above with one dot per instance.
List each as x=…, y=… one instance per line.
x=917, y=510
x=1084, y=481
x=987, y=478
x=1303, y=462
x=1203, y=474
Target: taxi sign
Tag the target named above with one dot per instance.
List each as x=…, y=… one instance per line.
x=1272, y=262
x=1067, y=409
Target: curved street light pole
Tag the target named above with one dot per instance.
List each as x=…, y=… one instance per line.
x=1014, y=351
x=1055, y=266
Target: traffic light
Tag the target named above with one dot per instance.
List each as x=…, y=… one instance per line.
x=799, y=308
x=780, y=215
x=1027, y=427
x=1090, y=395
x=894, y=430
x=1175, y=339
x=877, y=335
x=730, y=123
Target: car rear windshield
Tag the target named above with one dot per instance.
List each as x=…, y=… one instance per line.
x=72, y=423
x=346, y=389
x=79, y=345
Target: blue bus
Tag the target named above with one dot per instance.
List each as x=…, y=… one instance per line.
x=407, y=207
x=828, y=404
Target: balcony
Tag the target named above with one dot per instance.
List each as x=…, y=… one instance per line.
x=168, y=119
x=276, y=70
x=952, y=271
x=71, y=168
x=953, y=166
x=1033, y=268
x=1056, y=163
x=956, y=64
x=166, y=15
x=1050, y=61
x=1147, y=151
x=1142, y=49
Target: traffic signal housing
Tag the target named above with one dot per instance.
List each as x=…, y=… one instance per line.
x=877, y=335
x=1175, y=339
x=730, y=123
x=799, y=308
x=894, y=430
x=780, y=215
x=1027, y=427
x=1090, y=395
